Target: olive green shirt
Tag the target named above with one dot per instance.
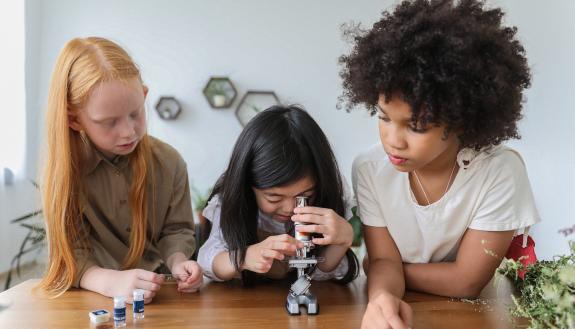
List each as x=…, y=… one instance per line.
x=107, y=216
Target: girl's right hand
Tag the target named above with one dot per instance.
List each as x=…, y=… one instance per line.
x=123, y=283
x=260, y=256
x=387, y=311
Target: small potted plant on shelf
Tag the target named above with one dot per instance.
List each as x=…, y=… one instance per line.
x=217, y=94
x=220, y=92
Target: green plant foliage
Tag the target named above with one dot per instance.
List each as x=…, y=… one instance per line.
x=547, y=292
x=34, y=240
x=355, y=222
x=199, y=199
x=216, y=87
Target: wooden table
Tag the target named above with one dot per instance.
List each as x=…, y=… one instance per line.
x=229, y=305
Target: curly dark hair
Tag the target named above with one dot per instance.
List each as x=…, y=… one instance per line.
x=452, y=61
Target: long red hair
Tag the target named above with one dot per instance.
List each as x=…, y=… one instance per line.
x=82, y=64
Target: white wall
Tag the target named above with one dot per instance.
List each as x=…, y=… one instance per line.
x=292, y=48
x=546, y=30
x=289, y=47
x=34, y=103
x=16, y=199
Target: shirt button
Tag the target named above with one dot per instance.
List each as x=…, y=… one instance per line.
x=128, y=229
x=123, y=202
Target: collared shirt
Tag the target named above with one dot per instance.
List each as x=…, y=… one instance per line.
x=107, y=216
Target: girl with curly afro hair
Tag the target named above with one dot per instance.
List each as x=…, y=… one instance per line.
x=446, y=80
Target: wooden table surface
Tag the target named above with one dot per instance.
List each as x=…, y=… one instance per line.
x=229, y=305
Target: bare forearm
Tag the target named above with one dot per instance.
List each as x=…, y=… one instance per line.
x=443, y=279
x=223, y=268
x=479, y=255
x=97, y=279
x=333, y=255
x=385, y=276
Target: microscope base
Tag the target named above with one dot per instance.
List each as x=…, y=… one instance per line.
x=308, y=300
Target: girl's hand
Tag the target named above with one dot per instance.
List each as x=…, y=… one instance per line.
x=189, y=274
x=123, y=283
x=387, y=311
x=334, y=228
x=260, y=256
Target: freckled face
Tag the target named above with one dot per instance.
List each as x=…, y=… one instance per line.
x=114, y=117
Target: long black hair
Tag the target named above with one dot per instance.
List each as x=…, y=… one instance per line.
x=278, y=146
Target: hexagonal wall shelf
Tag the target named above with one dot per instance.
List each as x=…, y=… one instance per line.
x=220, y=92
x=168, y=108
x=253, y=102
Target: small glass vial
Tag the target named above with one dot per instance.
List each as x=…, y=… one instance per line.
x=119, y=311
x=301, y=201
x=138, y=304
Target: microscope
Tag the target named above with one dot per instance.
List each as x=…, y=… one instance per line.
x=299, y=293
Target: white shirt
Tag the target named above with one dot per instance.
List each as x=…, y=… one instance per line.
x=215, y=244
x=491, y=192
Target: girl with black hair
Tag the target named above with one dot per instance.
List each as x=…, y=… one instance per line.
x=282, y=153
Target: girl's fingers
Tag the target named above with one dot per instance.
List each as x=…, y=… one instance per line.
x=406, y=313
x=381, y=322
x=195, y=276
x=194, y=273
x=378, y=324
x=321, y=241
x=188, y=290
x=283, y=246
x=273, y=254
x=195, y=282
x=373, y=319
x=189, y=278
x=148, y=295
x=396, y=322
x=312, y=228
x=150, y=276
x=311, y=210
x=308, y=218
x=147, y=285
x=188, y=287
x=285, y=238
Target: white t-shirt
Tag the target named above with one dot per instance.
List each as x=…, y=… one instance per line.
x=491, y=192
x=215, y=244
